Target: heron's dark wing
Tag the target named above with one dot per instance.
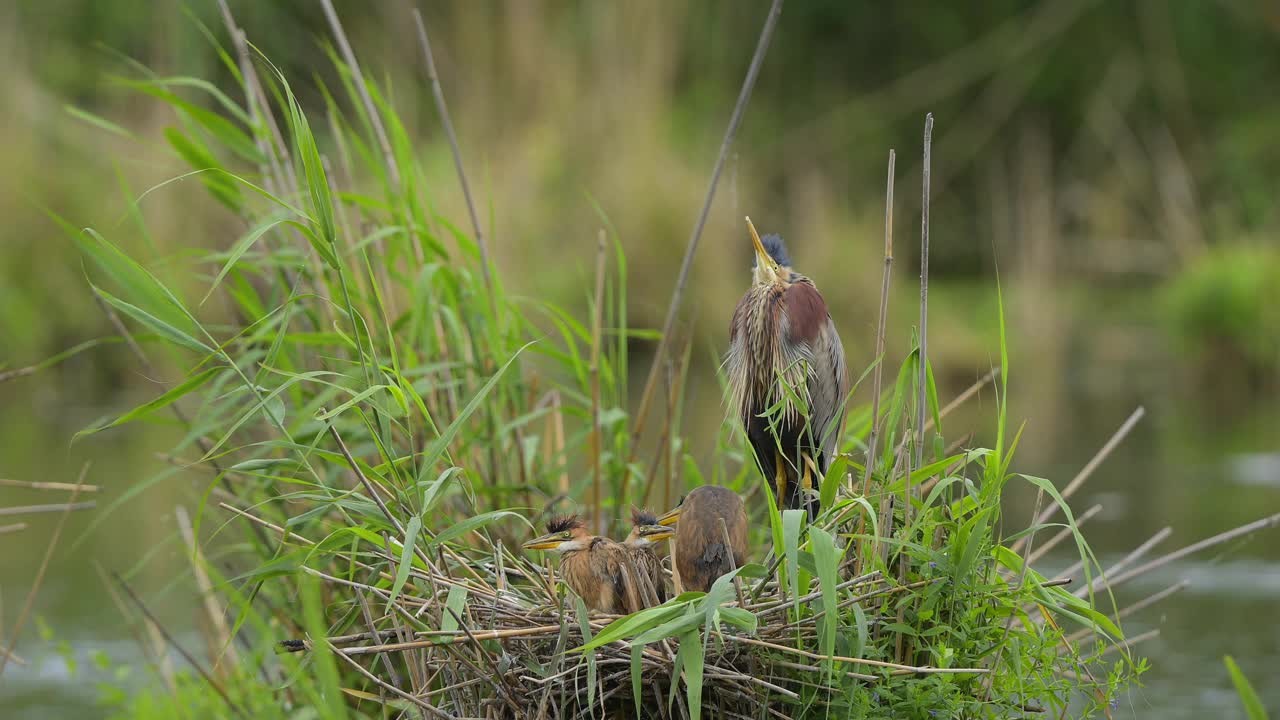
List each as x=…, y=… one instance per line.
x=828, y=387
x=809, y=327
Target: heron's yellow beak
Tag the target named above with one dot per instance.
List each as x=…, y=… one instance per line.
x=655, y=533
x=546, y=542
x=763, y=259
x=671, y=518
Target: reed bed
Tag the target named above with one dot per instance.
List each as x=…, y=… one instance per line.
x=373, y=423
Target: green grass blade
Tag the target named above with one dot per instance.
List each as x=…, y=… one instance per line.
x=1248, y=697
x=406, y=556
x=191, y=384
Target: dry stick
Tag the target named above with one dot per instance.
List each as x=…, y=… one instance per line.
x=739, y=109
x=594, y=371
x=1063, y=534
x=924, y=302
x=15, y=527
x=153, y=650
x=369, y=487
x=1086, y=471
x=501, y=683
x=20, y=372
x=374, y=118
x=174, y=644
x=898, y=667
x=1243, y=530
x=878, y=375
x=874, y=438
x=1142, y=604
x=1127, y=560
x=216, y=617
x=737, y=582
x=376, y=636
x=49, y=485
x=52, y=507
x=44, y=567
x=438, y=92
x=391, y=688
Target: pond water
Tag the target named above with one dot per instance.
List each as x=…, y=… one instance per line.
x=1196, y=462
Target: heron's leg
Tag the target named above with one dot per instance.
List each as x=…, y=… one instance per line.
x=806, y=484
x=780, y=480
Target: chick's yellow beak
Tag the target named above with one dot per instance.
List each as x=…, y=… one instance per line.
x=656, y=533
x=546, y=542
x=671, y=518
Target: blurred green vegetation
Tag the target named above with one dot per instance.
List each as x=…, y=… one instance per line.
x=1083, y=143
x=1106, y=155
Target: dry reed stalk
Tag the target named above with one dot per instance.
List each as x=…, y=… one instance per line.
x=217, y=619
x=169, y=639
x=1085, y=472
x=673, y=309
x=921, y=389
x=44, y=567
x=597, y=312
x=437, y=92
x=49, y=485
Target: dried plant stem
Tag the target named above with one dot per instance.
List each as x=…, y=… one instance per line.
x=597, y=314
x=390, y=688
x=1126, y=561
x=216, y=617
x=1229, y=535
x=878, y=376
x=133, y=597
x=898, y=668
x=735, y=120
x=1085, y=472
x=443, y=108
x=375, y=118
x=1061, y=535
x=44, y=567
x=49, y=485
x=921, y=391
x=51, y=507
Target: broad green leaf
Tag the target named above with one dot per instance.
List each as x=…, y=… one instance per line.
x=406, y=556
x=135, y=283
x=455, y=601
x=633, y=624
x=691, y=649
x=826, y=558
x=585, y=627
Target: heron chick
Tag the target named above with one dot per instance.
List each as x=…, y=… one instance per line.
x=645, y=534
x=787, y=375
x=710, y=537
x=596, y=568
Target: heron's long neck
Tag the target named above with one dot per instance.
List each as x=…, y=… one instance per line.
x=758, y=353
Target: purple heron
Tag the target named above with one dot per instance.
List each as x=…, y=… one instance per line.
x=596, y=568
x=785, y=358
x=645, y=533
x=710, y=537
